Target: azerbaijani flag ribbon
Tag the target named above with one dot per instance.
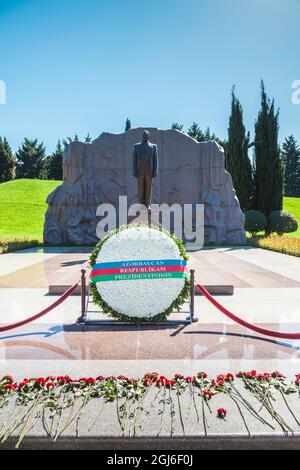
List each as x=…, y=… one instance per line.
x=138, y=270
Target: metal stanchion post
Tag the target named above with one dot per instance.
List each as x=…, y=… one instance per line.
x=192, y=293
x=83, y=297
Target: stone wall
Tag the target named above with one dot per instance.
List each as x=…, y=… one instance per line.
x=101, y=171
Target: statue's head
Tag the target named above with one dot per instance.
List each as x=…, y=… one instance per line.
x=146, y=136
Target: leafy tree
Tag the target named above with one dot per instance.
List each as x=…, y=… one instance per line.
x=7, y=161
x=237, y=160
x=195, y=132
x=291, y=159
x=177, y=126
x=127, y=125
x=53, y=164
x=30, y=159
x=269, y=171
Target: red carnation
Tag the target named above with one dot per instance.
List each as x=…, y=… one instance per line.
x=21, y=385
x=178, y=377
x=207, y=394
x=50, y=378
x=123, y=377
x=147, y=381
x=152, y=375
x=7, y=378
x=240, y=374
x=100, y=378
x=39, y=382
x=161, y=381
x=50, y=384
x=190, y=379
x=221, y=413
x=131, y=381
x=277, y=374
x=264, y=376
x=202, y=375
x=169, y=383
x=88, y=380
x=229, y=377
x=61, y=379
x=9, y=387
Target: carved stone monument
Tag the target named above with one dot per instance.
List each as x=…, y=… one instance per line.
x=101, y=171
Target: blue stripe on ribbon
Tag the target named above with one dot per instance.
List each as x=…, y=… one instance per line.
x=141, y=263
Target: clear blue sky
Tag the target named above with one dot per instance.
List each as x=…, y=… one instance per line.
x=84, y=66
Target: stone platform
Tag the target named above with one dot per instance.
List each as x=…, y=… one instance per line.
x=267, y=293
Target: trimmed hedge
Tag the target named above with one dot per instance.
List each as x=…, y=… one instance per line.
x=255, y=221
x=281, y=222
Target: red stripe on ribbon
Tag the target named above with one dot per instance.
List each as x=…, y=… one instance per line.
x=150, y=269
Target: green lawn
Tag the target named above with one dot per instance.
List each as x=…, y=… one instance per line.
x=22, y=208
x=292, y=204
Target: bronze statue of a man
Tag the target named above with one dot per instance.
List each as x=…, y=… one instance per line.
x=145, y=167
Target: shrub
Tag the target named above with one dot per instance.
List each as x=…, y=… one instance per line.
x=282, y=222
x=15, y=244
x=255, y=221
x=282, y=244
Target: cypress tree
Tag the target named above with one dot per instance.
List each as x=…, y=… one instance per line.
x=127, y=125
x=291, y=159
x=87, y=138
x=269, y=171
x=30, y=159
x=7, y=161
x=68, y=140
x=237, y=160
x=209, y=136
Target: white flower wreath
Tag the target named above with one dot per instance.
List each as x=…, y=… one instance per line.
x=140, y=297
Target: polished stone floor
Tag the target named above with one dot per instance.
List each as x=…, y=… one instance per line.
x=267, y=292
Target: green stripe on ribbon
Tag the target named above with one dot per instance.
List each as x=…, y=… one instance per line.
x=139, y=276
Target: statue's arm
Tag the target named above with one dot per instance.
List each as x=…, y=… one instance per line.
x=155, y=162
x=134, y=163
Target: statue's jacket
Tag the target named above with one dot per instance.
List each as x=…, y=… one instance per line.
x=145, y=160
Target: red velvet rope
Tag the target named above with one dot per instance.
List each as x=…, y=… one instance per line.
x=263, y=331
x=55, y=304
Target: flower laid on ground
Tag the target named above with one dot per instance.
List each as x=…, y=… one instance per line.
x=207, y=394
x=263, y=387
x=58, y=403
x=139, y=274
x=221, y=413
